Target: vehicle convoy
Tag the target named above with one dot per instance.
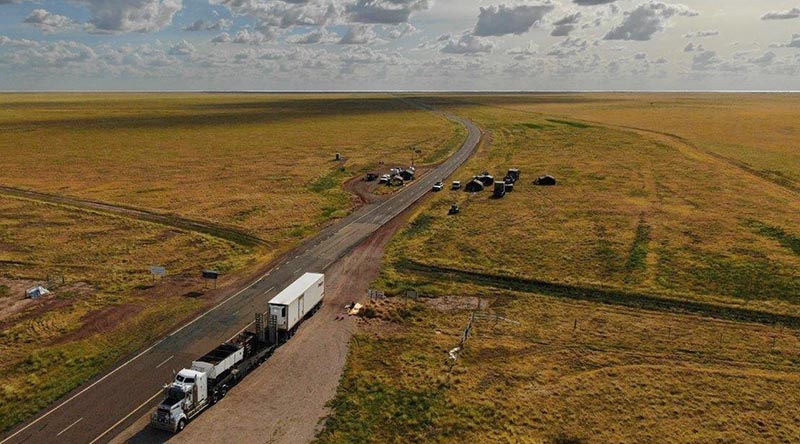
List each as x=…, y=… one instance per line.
x=210, y=377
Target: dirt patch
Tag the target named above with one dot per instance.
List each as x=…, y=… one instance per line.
x=104, y=320
x=363, y=192
x=370, y=192
x=451, y=304
x=15, y=307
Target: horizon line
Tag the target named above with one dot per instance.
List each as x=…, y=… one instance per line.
x=409, y=91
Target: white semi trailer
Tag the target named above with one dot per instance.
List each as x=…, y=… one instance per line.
x=296, y=302
x=210, y=377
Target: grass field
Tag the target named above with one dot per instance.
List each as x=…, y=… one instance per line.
x=652, y=295
x=755, y=131
x=244, y=166
x=242, y=160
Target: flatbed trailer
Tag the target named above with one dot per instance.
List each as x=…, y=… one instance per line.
x=193, y=391
x=211, y=376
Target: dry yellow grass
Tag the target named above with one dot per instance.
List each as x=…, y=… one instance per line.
x=758, y=131
x=568, y=372
x=244, y=160
x=629, y=213
x=629, y=285
x=260, y=164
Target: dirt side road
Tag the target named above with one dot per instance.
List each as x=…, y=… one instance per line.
x=283, y=402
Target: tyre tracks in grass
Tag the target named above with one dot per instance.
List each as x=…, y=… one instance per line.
x=220, y=231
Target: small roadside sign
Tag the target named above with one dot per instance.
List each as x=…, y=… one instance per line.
x=210, y=274
x=158, y=271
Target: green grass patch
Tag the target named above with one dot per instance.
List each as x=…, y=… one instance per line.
x=787, y=240
x=638, y=254
x=329, y=181
x=446, y=149
x=536, y=126
x=368, y=408
x=419, y=225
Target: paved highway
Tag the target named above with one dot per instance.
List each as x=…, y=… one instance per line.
x=96, y=412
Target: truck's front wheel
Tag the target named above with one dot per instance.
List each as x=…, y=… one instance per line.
x=181, y=426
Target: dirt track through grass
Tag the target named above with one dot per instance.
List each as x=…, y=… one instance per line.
x=204, y=227
x=604, y=296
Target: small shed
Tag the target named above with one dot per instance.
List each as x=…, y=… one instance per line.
x=509, y=187
x=474, y=186
x=545, y=181
x=513, y=173
x=36, y=292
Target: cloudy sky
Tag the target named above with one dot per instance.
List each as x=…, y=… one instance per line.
x=399, y=45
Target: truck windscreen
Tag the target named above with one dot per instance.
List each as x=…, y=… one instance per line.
x=174, y=395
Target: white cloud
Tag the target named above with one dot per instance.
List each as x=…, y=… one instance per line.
x=384, y=11
x=182, y=48
x=48, y=22
x=222, y=37
x=782, y=15
x=245, y=36
x=320, y=35
x=705, y=60
x=691, y=47
x=402, y=30
x=49, y=55
x=646, y=20
x=284, y=14
x=700, y=34
x=112, y=16
x=564, y=26
x=504, y=20
x=592, y=2
x=764, y=60
x=358, y=35
x=568, y=47
x=467, y=43
x=290, y=13
x=523, y=53
x=794, y=43
x=203, y=25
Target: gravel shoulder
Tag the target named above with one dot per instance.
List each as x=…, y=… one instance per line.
x=283, y=402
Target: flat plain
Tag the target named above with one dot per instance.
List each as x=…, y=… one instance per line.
x=97, y=188
x=651, y=296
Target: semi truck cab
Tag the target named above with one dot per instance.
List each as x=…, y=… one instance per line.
x=187, y=394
